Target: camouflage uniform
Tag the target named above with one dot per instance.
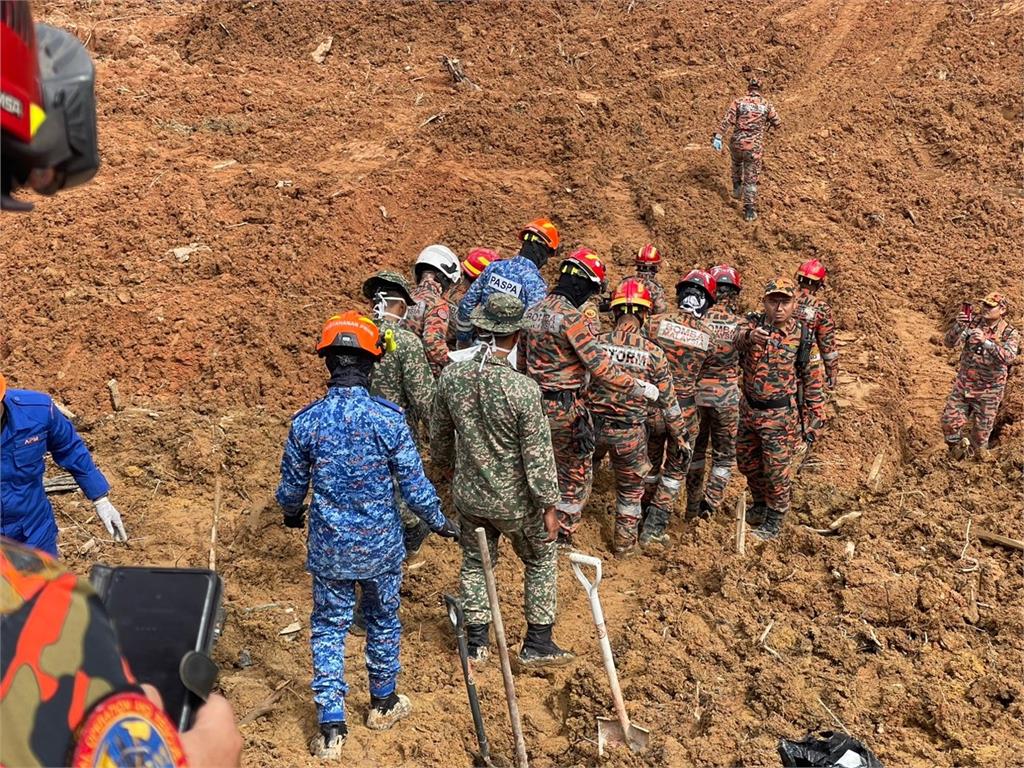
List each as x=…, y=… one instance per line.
x=559, y=348
x=981, y=381
x=354, y=449
x=517, y=276
x=619, y=422
x=60, y=657
x=454, y=296
x=687, y=341
x=769, y=424
x=816, y=314
x=718, y=400
x=504, y=475
x=429, y=319
x=749, y=117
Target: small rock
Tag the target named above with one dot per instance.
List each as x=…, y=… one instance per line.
x=135, y=41
x=244, y=659
x=657, y=211
x=291, y=629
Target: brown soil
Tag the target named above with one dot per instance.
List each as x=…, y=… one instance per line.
x=897, y=165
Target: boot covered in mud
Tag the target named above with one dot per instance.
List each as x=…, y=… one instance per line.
x=755, y=514
x=539, y=649
x=706, y=511
x=328, y=742
x=958, y=448
x=655, y=524
x=478, y=642
x=749, y=212
x=414, y=537
x=771, y=526
x=385, y=711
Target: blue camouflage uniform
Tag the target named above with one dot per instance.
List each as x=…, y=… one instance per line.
x=350, y=445
x=33, y=426
x=517, y=276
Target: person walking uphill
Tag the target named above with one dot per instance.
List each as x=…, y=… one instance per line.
x=990, y=346
x=749, y=118
x=504, y=477
x=30, y=426
x=437, y=271
x=774, y=353
x=348, y=446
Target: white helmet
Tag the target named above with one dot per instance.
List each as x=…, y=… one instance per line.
x=441, y=258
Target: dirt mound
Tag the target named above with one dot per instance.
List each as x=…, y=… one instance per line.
x=896, y=165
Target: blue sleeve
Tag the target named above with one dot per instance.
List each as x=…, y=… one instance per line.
x=295, y=472
x=417, y=490
x=536, y=289
x=468, y=304
x=69, y=451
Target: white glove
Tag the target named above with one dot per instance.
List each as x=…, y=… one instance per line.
x=111, y=518
x=648, y=390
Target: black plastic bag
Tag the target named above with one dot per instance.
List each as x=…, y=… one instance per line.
x=827, y=750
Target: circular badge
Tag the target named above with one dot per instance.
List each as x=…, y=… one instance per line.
x=127, y=729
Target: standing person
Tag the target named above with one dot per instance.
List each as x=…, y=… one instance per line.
x=476, y=261
x=990, y=346
x=504, y=478
x=437, y=270
x=774, y=353
x=560, y=348
x=403, y=377
x=348, y=446
x=648, y=263
x=619, y=417
x=718, y=400
x=686, y=338
x=30, y=427
x=519, y=276
x=749, y=118
x=816, y=314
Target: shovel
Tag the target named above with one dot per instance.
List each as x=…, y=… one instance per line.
x=459, y=623
x=609, y=731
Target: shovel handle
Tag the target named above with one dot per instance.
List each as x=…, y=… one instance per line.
x=578, y=560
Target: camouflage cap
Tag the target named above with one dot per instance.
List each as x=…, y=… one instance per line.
x=391, y=282
x=781, y=285
x=995, y=299
x=502, y=313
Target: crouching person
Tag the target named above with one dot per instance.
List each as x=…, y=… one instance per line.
x=349, y=445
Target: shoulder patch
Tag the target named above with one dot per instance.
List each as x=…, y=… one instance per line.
x=590, y=312
x=387, y=403
x=305, y=408
x=128, y=728
x=28, y=397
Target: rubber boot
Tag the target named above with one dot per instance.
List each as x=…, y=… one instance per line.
x=414, y=537
x=654, y=526
x=737, y=191
x=749, y=213
x=385, y=712
x=706, y=510
x=539, y=650
x=328, y=742
x=755, y=514
x=478, y=641
x=771, y=526
x=625, y=539
x=358, y=625
x=957, y=449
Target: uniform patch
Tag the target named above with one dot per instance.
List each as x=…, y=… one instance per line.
x=589, y=312
x=723, y=330
x=504, y=285
x=543, y=320
x=688, y=337
x=128, y=729
x=628, y=357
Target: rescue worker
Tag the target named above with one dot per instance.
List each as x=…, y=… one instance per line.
x=519, y=276
x=816, y=314
x=718, y=400
x=749, y=118
x=990, y=346
x=403, y=377
x=560, y=348
x=504, y=478
x=648, y=262
x=686, y=338
x=348, y=446
x=476, y=261
x=437, y=270
x=30, y=427
x=774, y=352
x=620, y=417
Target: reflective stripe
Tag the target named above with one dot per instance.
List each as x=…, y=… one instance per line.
x=627, y=510
x=652, y=479
x=569, y=509
x=672, y=411
x=830, y=356
x=725, y=472
x=670, y=484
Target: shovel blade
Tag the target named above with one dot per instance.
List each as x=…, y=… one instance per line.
x=609, y=731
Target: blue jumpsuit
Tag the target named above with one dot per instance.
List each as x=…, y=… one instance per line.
x=33, y=426
x=349, y=445
x=518, y=276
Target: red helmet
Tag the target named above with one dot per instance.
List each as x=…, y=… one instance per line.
x=545, y=230
x=812, y=270
x=586, y=263
x=476, y=261
x=701, y=278
x=632, y=293
x=726, y=275
x=648, y=255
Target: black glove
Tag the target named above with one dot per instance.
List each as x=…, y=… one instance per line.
x=450, y=529
x=584, y=438
x=296, y=519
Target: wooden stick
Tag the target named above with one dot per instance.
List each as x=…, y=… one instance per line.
x=741, y=524
x=1002, y=541
x=266, y=706
x=506, y=666
x=213, y=530
x=876, y=467
x=115, y=395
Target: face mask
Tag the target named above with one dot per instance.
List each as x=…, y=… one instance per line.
x=380, y=309
x=692, y=299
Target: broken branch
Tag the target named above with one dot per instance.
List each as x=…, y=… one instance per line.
x=1002, y=541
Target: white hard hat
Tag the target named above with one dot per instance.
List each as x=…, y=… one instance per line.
x=441, y=258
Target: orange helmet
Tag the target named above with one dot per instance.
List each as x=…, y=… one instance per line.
x=632, y=293
x=476, y=261
x=3, y=386
x=544, y=230
x=350, y=332
x=648, y=255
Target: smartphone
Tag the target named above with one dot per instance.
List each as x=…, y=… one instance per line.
x=160, y=614
x=967, y=309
